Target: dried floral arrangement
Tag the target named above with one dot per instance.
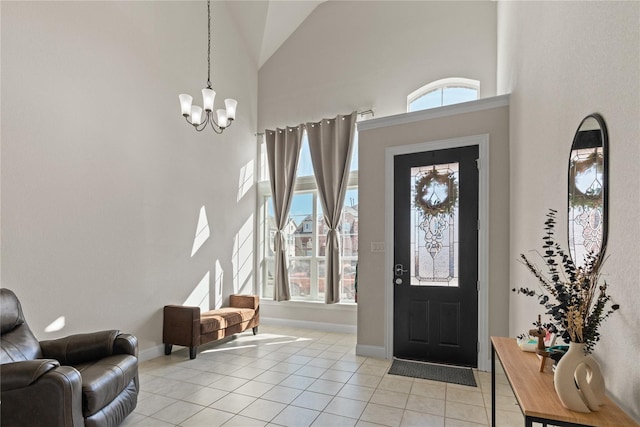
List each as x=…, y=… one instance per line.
x=580, y=303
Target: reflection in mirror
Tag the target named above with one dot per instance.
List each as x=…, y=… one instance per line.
x=588, y=190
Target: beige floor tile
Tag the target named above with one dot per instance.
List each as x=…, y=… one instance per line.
x=336, y=375
x=395, y=383
x=371, y=369
x=312, y=400
x=233, y=403
x=297, y=381
x=153, y=404
x=461, y=411
x=419, y=419
x=152, y=422
x=464, y=396
x=326, y=387
x=383, y=415
x=206, y=396
x=345, y=407
x=365, y=380
x=177, y=412
x=322, y=363
x=452, y=422
x=331, y=420
x=356, y=392
x=228, y=383
x=240, y=421
x=264, y=410
x=503, y=403
x=282, y=394
x=208, y=417
x=389, y=398
x=428, y=389
x=254, y=388
x=426, y=405
x=289, y=376
x=311, y=371
x=271, y=377
x=293, y=416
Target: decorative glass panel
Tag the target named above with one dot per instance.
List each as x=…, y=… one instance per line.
x=434, y=225
x=585, y=202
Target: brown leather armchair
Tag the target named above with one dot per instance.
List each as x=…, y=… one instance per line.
x=81, y=380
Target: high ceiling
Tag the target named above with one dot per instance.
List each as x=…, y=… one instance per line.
x=266, y=24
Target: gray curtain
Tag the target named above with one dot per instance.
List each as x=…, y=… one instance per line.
x=283, y=151
x=331, y=146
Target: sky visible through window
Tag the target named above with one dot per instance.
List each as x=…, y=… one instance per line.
x=443, y=96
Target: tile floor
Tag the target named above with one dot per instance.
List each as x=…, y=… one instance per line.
x=298, y=377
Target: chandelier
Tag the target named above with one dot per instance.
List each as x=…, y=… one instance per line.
x=194, y=114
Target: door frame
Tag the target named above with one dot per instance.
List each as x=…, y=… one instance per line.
x=482, y=141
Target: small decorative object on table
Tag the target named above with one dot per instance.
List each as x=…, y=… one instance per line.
x=581, y=305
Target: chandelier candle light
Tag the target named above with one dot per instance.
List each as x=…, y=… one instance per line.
x=194, y=114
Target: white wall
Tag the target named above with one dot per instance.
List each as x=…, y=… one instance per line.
x=373, y=279
x=102, y=180
x=562, y=61
x=357, y=55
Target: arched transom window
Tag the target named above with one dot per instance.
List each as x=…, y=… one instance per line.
x=443, y=92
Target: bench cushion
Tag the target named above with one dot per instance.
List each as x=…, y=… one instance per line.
x=214, y=320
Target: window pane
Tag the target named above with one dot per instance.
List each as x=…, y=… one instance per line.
x=267, y=279
x=300, y=277
x=349, y=279
x=349, y=226
x=455, y=95
x=301, y=224
x=429, y=100
x=305, y=168
x=354, y=157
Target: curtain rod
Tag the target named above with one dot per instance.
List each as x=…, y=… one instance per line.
x=360, y=113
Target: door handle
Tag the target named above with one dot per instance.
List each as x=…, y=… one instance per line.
x=399, y=270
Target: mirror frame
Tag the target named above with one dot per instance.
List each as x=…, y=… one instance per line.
x=605, y=186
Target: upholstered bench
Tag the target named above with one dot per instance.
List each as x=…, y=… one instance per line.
x=188, y=327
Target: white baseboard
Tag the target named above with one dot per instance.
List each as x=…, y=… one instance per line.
x=151, y=353
x=305, y=324
x=371, y=351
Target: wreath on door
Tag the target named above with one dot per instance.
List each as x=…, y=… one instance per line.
x=429, y=202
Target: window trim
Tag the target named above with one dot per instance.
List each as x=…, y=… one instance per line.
x=442, y=84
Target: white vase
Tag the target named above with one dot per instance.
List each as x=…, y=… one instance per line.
x=579, y=381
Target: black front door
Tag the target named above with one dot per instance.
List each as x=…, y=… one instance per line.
x=435, y=271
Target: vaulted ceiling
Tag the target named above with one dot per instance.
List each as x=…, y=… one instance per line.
x=266, y=24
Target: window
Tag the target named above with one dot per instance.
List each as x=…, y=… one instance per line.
x=306, y=234
x=443, y=92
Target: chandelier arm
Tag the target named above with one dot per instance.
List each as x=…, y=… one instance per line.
x=214, y=125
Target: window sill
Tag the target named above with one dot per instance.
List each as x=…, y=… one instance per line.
x=315, y=305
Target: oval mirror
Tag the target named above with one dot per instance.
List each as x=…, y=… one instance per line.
x=588, y=182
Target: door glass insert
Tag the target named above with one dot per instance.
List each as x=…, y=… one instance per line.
x=434, y=225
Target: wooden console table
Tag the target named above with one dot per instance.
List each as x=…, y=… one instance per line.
x=536, y=395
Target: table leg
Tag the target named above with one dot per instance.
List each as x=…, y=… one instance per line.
x=493, y=386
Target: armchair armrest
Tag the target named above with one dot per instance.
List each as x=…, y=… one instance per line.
x=244, y=301
x=39, y=392
x=126, y=344
x=80, y=348
x=24, y=373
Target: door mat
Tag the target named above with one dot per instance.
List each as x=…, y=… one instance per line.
x=433, y=371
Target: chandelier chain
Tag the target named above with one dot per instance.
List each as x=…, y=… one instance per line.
x=209, y=44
